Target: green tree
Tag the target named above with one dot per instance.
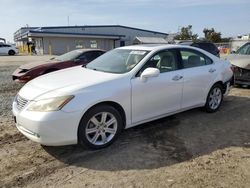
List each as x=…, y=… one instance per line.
x=186, y=34
x=212, y=35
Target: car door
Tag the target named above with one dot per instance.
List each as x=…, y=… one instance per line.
x=199, y=72
x=6, y=48
x=157, y=95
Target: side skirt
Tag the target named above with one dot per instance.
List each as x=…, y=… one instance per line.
x=162, y=116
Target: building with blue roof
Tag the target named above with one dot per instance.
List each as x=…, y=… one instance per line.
x=61, y=39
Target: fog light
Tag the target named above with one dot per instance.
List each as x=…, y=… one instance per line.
x=28, y=131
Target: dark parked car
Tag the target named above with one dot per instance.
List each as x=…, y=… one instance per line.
x=207, y=46
x=240, y=61
x=29, y=71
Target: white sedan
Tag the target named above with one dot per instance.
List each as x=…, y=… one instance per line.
x=123, y=88
x=6, y=49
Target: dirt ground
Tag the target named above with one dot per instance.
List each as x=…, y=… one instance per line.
x=191, y=149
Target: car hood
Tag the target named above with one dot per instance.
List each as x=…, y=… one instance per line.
x=35, y=64
x=64, y=82
x=242, y=61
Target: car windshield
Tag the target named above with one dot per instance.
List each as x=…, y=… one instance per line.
x=244, y=50
x=69, y=56
x=117, y=61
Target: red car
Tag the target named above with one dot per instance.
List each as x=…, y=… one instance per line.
x=29, y=71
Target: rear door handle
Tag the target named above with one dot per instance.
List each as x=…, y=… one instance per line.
x=212, y=70
x=177, y=77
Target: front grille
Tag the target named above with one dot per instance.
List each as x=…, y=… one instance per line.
x=21, y=102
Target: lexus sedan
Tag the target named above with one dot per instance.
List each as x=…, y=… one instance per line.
x=73, y=58
x=125, y=87
x=240, y=61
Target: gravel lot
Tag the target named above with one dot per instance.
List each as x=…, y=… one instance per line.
x=191, y=149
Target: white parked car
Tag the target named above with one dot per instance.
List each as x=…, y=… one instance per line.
x=6, y=49
x=123, y=88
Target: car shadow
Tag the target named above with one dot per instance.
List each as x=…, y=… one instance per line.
x=167, y=141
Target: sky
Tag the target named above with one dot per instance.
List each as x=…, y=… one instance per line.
x=230, y=17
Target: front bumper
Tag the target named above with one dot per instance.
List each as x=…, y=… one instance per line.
x=241, y=76
x=20, y=77
x=242, y=82
x=48, y=128
x=227, y=86
x=19, y=80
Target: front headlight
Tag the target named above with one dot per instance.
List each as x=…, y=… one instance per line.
x=51, y=104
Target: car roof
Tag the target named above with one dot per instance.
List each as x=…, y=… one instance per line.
x=147, y=47
x=151, y=47
x=158, y=47
x=89, y=49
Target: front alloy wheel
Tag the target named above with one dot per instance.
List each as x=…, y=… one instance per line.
x=99, y=127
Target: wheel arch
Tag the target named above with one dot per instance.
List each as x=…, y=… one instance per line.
x=207, y=106
x=222, y=85
x=110, y=103
x=116, y=105
x=210, y=86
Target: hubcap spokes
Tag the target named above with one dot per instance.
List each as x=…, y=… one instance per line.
x=101, y=128
x=215, y=98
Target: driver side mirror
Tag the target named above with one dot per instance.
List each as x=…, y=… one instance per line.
x=232, y=52
x=148, y=73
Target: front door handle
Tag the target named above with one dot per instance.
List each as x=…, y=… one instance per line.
x=177, y=77
x=212, y=70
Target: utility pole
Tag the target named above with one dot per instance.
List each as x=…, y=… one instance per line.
x=68, y=20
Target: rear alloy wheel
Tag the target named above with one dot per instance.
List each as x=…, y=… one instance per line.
x=214, y=98
x=99, y=127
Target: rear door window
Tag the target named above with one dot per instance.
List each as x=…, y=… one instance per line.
x=192, y=58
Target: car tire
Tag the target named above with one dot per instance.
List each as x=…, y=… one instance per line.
x=214, y=98
x=11, y=52
x=99, y=127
